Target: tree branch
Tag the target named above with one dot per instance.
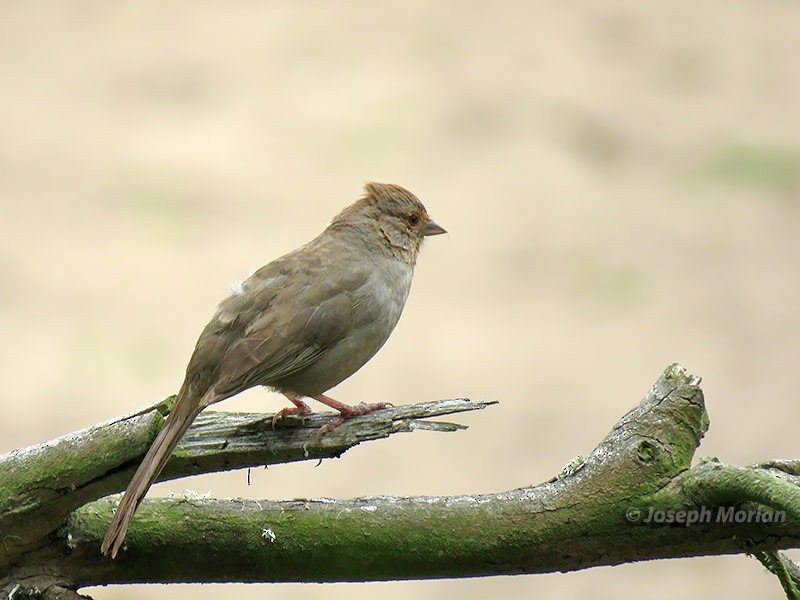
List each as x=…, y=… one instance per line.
x=636, y=497
x=42, y=485
x=785, y=570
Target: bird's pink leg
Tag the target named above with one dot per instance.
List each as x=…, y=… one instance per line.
x=346, y=411
x=299, y=408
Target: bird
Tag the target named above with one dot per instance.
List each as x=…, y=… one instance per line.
x=299, y=325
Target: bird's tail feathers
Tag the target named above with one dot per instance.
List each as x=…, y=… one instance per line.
x=180, y=418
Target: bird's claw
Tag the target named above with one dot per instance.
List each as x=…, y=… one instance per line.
x=299, y=409
x=363, y=408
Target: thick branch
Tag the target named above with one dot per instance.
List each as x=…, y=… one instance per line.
x=380, y=538
x=632, y=499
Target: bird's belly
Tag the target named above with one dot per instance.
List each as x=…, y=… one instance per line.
x=375, y=315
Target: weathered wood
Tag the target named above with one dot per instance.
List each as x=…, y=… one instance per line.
x=636, y=497
x=41, y=485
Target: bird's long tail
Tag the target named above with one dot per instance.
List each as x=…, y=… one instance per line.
x=183, y=414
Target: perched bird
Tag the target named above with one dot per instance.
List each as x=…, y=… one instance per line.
x=299, y=325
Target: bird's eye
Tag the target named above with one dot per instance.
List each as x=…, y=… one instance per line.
x=412, y=220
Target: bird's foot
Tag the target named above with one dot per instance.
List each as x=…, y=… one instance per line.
x=347, y=412
x=299, y=408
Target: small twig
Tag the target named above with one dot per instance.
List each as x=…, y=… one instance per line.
x=714, y=483
x=787, y=571
x=790, y=467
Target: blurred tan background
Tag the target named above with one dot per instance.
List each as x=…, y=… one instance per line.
x=620, y=182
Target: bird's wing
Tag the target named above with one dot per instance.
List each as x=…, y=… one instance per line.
x=289, y=319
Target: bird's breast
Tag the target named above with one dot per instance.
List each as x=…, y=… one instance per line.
x=376, y=307
x=385, y=292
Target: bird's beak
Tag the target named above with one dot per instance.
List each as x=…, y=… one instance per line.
x=433, y=228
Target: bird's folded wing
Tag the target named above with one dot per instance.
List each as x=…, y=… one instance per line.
x=279, y=343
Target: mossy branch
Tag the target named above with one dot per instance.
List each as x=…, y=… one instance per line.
x=42, y=485
x=636, y=497
x=787, y=572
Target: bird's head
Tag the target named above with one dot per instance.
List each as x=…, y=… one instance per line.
x=394, y=214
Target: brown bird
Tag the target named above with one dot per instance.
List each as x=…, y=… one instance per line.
x=299, y=325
